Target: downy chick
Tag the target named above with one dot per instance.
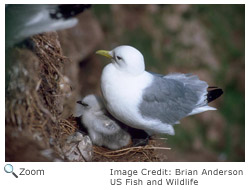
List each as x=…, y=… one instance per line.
x=102, y=128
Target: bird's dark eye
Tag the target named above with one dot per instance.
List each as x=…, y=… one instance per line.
x=118, y=57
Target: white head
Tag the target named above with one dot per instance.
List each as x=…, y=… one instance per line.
x=91, y=102
x=126, y=59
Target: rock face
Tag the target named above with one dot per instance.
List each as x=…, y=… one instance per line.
x=42, y=87
x=79, y=44
x=80, y=41
x=77, y=147
x=34, y=99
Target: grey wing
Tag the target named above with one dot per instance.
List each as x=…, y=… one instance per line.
x=168, y=99
x=192, y=82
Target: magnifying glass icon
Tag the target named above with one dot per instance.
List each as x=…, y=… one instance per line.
x=8, y=168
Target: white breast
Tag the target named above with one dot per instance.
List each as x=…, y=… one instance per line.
x=122, y=93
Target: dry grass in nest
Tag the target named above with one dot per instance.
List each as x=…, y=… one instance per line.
x=128, y=154
x=68, y=126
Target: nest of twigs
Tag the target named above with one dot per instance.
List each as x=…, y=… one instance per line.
x=130, y=153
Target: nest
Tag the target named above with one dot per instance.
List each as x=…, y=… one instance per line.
x=127, y=154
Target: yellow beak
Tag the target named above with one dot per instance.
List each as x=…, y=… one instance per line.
x=104, y=53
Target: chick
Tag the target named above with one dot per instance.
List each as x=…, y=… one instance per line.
x=102, y=128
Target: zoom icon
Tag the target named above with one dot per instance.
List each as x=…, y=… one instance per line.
x=8, y=168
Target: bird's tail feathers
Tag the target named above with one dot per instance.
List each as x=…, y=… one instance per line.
x=213, y=93
x=201, y=109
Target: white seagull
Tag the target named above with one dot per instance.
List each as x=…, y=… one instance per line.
x=148, y=101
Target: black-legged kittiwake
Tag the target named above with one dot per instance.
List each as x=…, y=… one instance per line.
x=149, y=101
x=102, y=129
x=26, y=20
